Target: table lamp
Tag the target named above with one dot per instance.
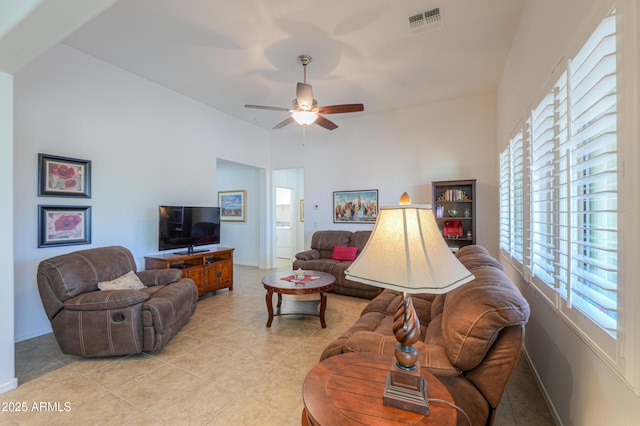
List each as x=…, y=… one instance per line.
x=406, y=252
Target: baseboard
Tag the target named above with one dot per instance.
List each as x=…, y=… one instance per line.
x=10, y=385
x=545, y=395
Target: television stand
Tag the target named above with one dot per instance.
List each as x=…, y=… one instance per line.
x=211, y=271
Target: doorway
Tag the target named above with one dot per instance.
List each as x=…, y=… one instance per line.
x=284, y=220
x=288, y=193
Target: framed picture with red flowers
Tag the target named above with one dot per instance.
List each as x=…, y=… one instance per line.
x=63, y=177
x=63, y=225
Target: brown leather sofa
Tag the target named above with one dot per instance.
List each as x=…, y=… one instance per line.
x=90, y=322
x=471, y=337
x=318, y=258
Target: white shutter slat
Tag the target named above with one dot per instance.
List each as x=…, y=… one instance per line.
x=592, y=279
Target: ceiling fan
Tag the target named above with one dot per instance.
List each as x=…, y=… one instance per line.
x=305, y=109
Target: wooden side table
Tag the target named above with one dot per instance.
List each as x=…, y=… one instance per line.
x=347, y=389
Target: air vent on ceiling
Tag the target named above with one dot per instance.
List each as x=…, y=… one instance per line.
x=424, y=20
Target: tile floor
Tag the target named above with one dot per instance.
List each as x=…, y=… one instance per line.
x=223, y=368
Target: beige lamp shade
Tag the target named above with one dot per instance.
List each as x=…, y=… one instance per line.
x=406, y=252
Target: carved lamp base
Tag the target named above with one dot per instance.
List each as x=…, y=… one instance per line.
x=407, y=391
x=405, y=388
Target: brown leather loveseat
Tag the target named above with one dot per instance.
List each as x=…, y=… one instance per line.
x=321, y=257
x=91, y=322
x=470, y=338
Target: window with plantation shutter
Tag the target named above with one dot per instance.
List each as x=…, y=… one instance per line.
x=562, y=178
x=542, y=193
x=547, y=195
x=505, y=191
x=593, y=283
x=516, y=184
x=559, y=193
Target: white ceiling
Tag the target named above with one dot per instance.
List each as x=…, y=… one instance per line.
x=230, y=53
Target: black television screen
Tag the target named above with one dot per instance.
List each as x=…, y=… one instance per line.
x=188, y=227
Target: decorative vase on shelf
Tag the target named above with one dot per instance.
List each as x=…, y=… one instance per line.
x=452, y=212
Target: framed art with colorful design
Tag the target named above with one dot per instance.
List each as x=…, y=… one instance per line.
x=63, y=225
x=63, y=177
x=355, y=206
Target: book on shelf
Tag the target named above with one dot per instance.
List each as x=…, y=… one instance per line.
x=454, y=195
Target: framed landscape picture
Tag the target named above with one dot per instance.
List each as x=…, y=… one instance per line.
x=233, y=205
x=63, y=177
x=63, y=225
x=355, y=206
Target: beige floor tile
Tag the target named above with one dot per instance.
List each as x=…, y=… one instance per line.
x=303, y=358
x=89, y=365
x=144, y=420
x=205, y=361
x=105, y=410
x=504, y=413
x=178, y=346
x=272, y=351
x=43, y=353
x=295, y=419
x=6, y=419
x=237, y=372
x=247, y=411
x=156, y=386
x=201, y=329
x=322, y=336
x=116, y=374
x=197, y=320
x=196, y=404
x=60, y=384
x=52, y=396
x=524, y=396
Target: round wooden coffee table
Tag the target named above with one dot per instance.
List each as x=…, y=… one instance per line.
x=282, y=283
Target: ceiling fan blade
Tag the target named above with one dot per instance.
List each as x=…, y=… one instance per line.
x=267, y=107
x=304, y=96
x=340, y=109
x=327, y=124
x=283, y=123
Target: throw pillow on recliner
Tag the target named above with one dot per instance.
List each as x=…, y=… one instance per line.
x=128, y=281
x=344, y=254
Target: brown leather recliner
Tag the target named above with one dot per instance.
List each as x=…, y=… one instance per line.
x=470, y=338
x=90, y=322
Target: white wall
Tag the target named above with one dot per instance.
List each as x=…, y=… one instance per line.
x=394, y=152
x=148, y=146
x=8, y=380
x=582, y=389
x=233, y=177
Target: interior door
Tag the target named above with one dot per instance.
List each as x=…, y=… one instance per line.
x=284, y=222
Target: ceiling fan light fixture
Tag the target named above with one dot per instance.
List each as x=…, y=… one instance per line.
x=304, y=118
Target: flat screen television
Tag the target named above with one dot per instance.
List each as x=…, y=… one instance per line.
x=188, y=227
